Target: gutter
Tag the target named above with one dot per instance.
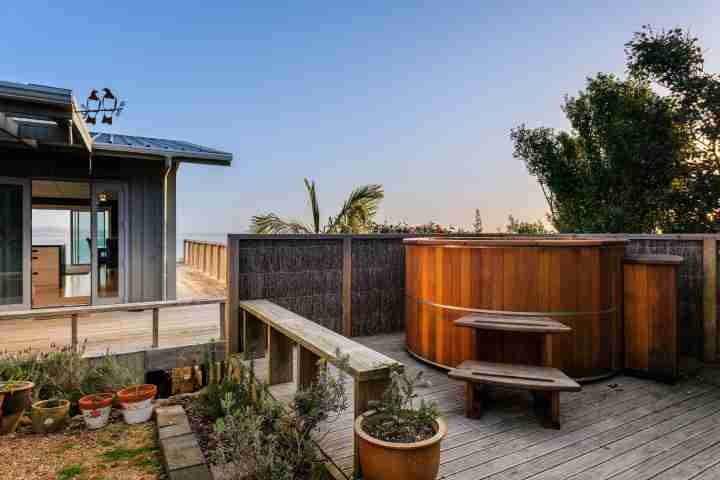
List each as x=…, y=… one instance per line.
x=166, y=173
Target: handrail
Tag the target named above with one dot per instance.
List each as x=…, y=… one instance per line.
x=75, y=312
x=208, y=257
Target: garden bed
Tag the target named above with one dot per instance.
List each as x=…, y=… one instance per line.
x=118, y=451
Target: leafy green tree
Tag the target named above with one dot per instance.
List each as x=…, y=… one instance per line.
x=355, y=216
x=674, y=60
x=613, y=170
x=520, y=227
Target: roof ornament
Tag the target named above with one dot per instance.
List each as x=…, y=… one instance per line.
x=108, y=104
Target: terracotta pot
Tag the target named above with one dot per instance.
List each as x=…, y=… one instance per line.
x=49, y=416
x=381, y=460
x=136, y=402
x=96, y=409
x=137, y=393
x=16, y=400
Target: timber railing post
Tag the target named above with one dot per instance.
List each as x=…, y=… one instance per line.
x=74, y=331
x=710, y=339
x=223, y=336
x=347, y=287
x=155, y=327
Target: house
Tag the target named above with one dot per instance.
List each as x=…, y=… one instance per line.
x=85, y=218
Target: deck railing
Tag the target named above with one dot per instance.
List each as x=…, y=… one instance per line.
x=73, y=313
x=207, y=257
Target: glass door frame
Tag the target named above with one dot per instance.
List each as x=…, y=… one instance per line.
x=96, y=186
x=27, y=242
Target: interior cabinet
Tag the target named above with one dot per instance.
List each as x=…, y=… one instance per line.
x=47, y=267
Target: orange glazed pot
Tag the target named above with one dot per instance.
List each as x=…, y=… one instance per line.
x=382, y=460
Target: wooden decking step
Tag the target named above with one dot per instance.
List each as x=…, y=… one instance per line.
x=512, y=323
x=528, y=377
x=545, y=383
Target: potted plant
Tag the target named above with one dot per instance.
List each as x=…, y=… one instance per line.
x=16, y=400
x=400, y=438
x=96, y=409
x=136, y=401
x=49, y=416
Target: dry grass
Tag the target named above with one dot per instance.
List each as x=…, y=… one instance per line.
x=117, y=451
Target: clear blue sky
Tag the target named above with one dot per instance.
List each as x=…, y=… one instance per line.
x=418, y=96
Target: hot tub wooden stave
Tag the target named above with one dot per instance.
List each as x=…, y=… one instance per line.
x=577, y=282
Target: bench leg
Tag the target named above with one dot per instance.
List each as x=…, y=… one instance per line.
x=254, y=337
x=547, y=406
x=307, y=367
x=280, y=358
x=366, y=391
x=473, y=400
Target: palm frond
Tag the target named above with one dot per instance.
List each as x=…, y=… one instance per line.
x=314, y=206
x=271, y=223
x=358, y=210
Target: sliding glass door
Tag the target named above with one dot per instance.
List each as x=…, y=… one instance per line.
x=108, y=245
x=15, y=235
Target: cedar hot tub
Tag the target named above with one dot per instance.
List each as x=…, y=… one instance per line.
x=575, y=281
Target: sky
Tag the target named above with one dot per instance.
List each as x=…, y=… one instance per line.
x=417, y=96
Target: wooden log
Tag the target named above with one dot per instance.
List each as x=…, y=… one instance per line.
x=280, y=358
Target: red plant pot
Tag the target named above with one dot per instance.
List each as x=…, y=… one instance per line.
x=137, y=393
x=96, y=401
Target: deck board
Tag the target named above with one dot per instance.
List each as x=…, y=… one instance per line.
x=624, y=428
x=126, y=331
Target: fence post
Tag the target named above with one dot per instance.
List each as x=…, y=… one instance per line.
x=74, y=331
x=155, y=327
x=347, y=286
x=710, y=340
x=222, y=321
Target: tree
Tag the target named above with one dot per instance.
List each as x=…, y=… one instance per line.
x=612, y=172
x=520, y=227
x=477, y=224
x=674, y=60
x=355, y=215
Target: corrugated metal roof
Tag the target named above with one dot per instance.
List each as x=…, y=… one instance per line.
x=176, y=148
x=35, y=93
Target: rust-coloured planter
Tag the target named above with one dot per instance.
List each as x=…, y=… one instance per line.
x=381, y=460
x=16, y=401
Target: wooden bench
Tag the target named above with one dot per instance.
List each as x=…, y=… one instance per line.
x=543, y=381
x=266, y=323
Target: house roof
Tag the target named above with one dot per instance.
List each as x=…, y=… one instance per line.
x=62, y=100
x=179, y=149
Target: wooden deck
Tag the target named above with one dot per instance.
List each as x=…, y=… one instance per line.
x=623, y=428
x=125, y=331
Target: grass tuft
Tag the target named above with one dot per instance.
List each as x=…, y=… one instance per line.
x=70, y=472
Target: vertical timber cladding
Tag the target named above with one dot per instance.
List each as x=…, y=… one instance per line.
x=691, y=285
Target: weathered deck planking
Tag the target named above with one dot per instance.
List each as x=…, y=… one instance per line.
x=624, y=428
x=126, y=331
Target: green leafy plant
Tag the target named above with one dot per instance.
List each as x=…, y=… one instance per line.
x=267, y=440
x=399, y=415
x=64, y=372
x=355, y=215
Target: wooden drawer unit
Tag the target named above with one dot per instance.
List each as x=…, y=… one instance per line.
x=46, y=266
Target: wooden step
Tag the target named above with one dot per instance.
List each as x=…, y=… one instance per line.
x=528, y=377
x=514, y=323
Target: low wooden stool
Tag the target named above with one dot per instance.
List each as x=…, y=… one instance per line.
x=545, y=383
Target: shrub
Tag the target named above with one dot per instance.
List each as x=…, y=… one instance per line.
x=397, y=417
x=63, y=372
x=268, y=440
x=240, y=391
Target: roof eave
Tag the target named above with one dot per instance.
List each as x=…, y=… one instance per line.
x=220, y=159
